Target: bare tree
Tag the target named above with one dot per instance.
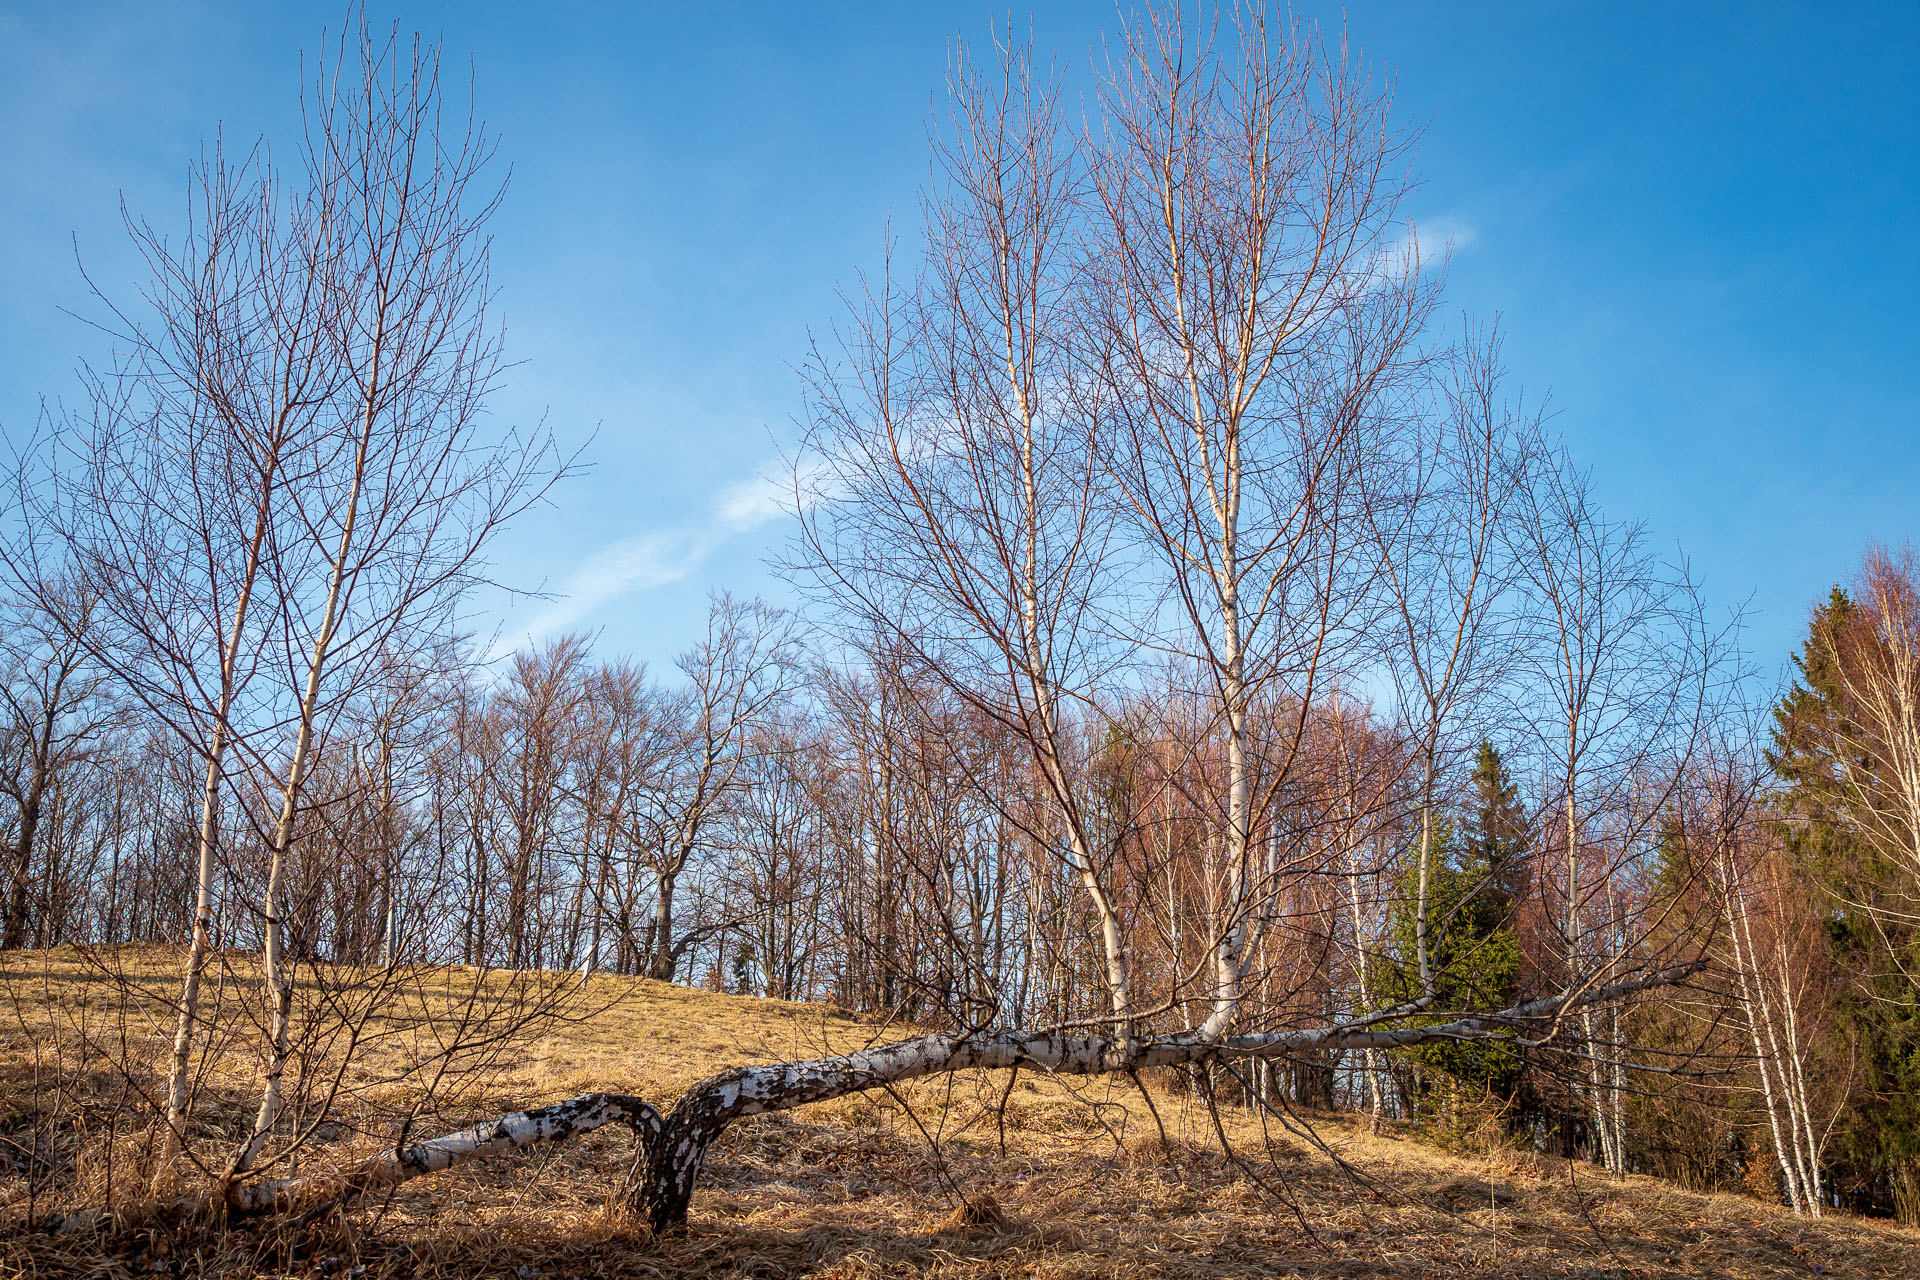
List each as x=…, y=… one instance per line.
x=966, y=525
x=626, y=741
x=735, y=678
x=162, y=499
x=1622, y=669
x=1256, y=325
x=1444, y=571
x=1776, y=966
x=779, y=856
x=1877, y=730
x=282, y=459
x=533, y=727
x=56, y=709
x=395, y=494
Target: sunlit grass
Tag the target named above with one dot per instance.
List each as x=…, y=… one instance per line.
x=1067, y=1177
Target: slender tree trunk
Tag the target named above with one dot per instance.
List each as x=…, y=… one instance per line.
x=1375, y=1106
x=602, y=887
x=178, y=1075
x=189, y=1008
x=20, y=897
x=1420, y=943
x=1231, y=924
x=279, y=977
x=662, y=963
x=1777, y=1063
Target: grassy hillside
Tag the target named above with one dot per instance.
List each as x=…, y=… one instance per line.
x=1067, y=1178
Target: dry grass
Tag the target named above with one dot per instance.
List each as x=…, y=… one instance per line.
x=920, y=1183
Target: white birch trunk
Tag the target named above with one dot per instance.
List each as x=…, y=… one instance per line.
x=674, y=1145
x=278, y=977
x=179, y=1078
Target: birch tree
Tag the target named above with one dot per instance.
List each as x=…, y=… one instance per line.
x=395, y=493
x=277, y=477
x=1875, y=741
x=162, y=496
x=1776, y=968
x=1254, y=335
x=1620, y=670
x=965, y=522
x=1444, y=573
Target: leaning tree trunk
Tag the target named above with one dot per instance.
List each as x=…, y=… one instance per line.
x=675, y=1151
x=674, y=1146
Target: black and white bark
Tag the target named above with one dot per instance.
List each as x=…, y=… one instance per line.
x=676, y=1151
x=674, y=1144
x=557, y=1123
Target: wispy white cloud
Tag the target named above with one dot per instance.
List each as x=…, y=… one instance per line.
x=751, y=503
x=1444, y=235
x=631, y=564
x=647, y=560
x=768, y=495
x=1423, y=244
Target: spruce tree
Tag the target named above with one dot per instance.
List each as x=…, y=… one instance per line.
x=1479, y=861
x=1495, y=831
x=1879, y=1011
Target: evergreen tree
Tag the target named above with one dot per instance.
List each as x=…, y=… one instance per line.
x=1479, y=862
x=1803, y=729
x=1879, y=1013
x=1495, y=836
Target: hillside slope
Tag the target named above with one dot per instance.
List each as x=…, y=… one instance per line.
x=960, y=1177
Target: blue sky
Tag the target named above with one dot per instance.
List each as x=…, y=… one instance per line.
x=1697, y=223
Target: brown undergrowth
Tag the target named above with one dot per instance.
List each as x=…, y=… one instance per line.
x=961, y=1177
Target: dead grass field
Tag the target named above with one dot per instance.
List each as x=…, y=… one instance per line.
x=928, y=1181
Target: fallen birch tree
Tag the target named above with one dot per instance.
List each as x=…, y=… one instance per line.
x=674, y=1143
